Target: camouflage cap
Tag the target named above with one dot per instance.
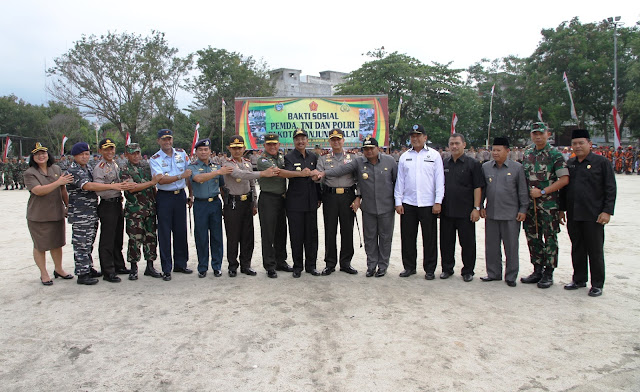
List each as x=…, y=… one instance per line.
x=131, y=148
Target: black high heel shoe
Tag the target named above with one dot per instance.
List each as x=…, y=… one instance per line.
x=47, y=283
x=57, y=275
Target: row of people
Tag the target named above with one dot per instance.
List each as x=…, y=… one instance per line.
x=421, y=188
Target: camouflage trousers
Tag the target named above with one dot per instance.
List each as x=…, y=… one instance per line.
x=82, y=238
x=141, y=232
x=543, y=245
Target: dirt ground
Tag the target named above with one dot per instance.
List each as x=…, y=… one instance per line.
x=335, y=333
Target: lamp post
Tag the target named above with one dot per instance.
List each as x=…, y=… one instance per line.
x=615, y=22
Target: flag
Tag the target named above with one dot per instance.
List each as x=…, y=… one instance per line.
x=491, y=105
x=616, y=127
x=7, y=145
x=574, y=115
x=540, y=114
x=127, y=139
x=224, y=114
x=64, y=140
x=196, y=136
x=395, y=126
x=454, y=121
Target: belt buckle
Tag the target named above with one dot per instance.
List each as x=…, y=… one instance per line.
x=243, y=197
x=339, y=191
x=210, y=199
x=176, y=192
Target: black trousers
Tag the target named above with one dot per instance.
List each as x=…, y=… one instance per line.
x=111, y=236
x=409, y=221
x=467, y=238
x=238, y=224
x=337, y=208
x=303, y=231
x=587, y=248
x=273, y=230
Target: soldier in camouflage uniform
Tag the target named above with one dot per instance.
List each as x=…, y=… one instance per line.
x=9, y=168
x=140, y=212
x=82, y=215
x=546, y=173
x=18, y=174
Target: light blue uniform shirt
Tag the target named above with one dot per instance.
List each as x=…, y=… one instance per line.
x=207, y=189
x=170, y=165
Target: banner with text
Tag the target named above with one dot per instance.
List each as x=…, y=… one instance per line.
x=357, y=116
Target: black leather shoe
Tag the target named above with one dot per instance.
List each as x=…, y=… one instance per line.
x=445, y=275
x=202, y=274
x=272, y=274
x=150, y=271
x=574, y=286
x=86, y=279
x=467, y=277
x=407, y=273
x=546, y=281
x=183, y=270
x=380, y=274
x=113, y=278
x=233, y=273
x=535, y=276
x=328, y=271
x=57, y=275
x=122, y=271
x=285, y=268
x=314, y=272
x=370, y=273
x=95, y=274
x=248, y=271
x=350, y=270
x=595, y=292
x=511, y=283
x=217, y=273
x=488, y=279
x=166, y=277
x=47, y=283
x=133, y=275
x=429, y=276
x=297, y=274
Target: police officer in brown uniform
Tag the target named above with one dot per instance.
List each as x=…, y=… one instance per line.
x=338, y=194
x=240, y=207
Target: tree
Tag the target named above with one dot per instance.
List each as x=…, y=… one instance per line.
x=585, y=53
x=125, y=79
x=225, y=75
x=425, y=91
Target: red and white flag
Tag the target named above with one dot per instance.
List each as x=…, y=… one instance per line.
x=196, y=136
x=491, y=106
x=7, y=145
x=64, y=140
x=540, y=114
x=616, y=126
x=454, y=121
x=574, y=115
x=127, y=139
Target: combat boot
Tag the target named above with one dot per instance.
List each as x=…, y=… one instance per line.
x=133, y=275
x=535, y=276
x=150, y=271
x=86, y=279
x=547, y=278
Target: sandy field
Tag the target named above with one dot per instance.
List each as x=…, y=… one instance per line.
x=337, y=333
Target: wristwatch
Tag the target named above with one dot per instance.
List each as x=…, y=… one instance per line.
x=542, y=192
x=477, y=208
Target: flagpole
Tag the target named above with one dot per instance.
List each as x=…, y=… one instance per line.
x=490, y=117
x=224, y=118
x=574, y=114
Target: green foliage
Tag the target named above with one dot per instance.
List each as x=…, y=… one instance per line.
x=425, y=90
x=125, y=79
x=225, y=75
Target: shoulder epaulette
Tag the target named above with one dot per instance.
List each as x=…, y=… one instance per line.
x=179, y=150
x=155, y=156
x=101, y=165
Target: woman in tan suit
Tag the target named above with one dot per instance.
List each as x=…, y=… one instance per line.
x=46, y=211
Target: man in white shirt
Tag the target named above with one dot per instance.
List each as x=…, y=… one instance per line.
x=418, y=194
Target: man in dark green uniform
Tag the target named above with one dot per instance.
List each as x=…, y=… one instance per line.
x=140, y=212
x=271, y=209
x=546, y=173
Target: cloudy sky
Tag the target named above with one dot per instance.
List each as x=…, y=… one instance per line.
x=312, y=36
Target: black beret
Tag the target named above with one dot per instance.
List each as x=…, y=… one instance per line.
x=203, y=142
